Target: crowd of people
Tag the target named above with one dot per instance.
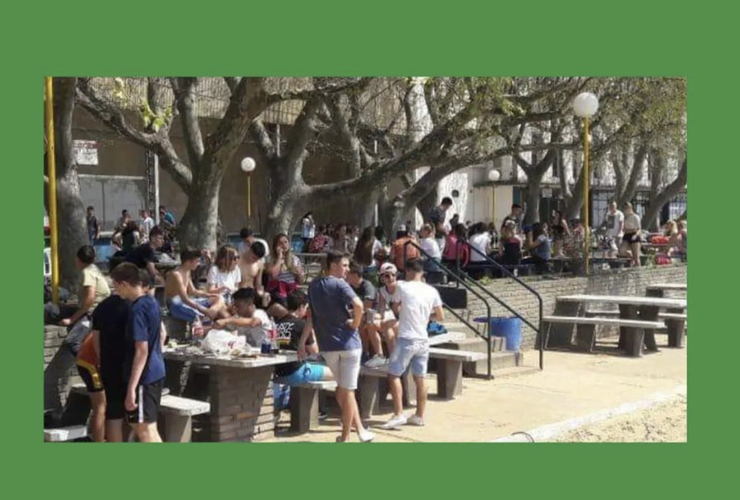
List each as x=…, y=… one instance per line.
x=340, y=321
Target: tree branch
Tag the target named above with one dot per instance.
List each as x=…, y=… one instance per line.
x=185, y=101
x=248, y=101
x=262, y=139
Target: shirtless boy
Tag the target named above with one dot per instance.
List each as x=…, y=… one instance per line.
x=184, y=301
x=252, y=266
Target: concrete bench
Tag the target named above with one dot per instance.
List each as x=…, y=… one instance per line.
x=372, y=389
x=672, y=316
x=304, y=404
x=65, y=434
x=176, y=417
x=449, y=369
x=586, y=328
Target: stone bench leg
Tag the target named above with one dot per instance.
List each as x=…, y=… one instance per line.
x=561, y=334
x=650, y=313
x=676, y=332
x=369, y=388
x=630, y=339
x=176, y=428
x=304, y=409
x=449, y=378
x=585, y=337
x=409, y=389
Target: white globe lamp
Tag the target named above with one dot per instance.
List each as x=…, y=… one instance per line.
x=248, y=165
x=585, y=105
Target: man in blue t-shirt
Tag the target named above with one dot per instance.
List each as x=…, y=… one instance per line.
x=335, y=312
x=144, y=364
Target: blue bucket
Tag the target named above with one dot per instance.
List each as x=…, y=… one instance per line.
x=510, y=328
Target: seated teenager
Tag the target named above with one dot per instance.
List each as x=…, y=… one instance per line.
x=225, y=276
x=456, y=249
x=369, y=335
x=284, y=273
x=431, y=248
x=144, y=257
x=385, y=322
x=289, y=330
x=510, y=245
x=184, y=301
x=247, y=320
x=538, y=244
x=252, y=268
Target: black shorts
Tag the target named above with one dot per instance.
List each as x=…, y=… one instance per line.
x=148, y=397
x=115, y=396
x=90, y=375
x=628, y=238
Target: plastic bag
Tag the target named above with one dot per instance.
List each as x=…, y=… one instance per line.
x=221, y=342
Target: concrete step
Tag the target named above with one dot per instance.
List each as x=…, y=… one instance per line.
x=476, y=344
x=499, y=361
x=453, y=326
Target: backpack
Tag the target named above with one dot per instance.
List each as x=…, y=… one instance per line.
x=411, y=252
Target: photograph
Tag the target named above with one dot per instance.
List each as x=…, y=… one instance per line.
x=367, y=259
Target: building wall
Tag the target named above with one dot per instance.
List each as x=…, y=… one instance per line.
x=631, y=281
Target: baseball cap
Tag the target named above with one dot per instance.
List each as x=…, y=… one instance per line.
x=388, y=268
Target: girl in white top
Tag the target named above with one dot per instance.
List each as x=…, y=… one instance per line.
x=225, y=276
x=429, y=244
x=480, y=239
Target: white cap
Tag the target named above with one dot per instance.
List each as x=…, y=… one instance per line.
x=388, y=268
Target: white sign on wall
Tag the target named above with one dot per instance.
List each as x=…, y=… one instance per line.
x=86, y=152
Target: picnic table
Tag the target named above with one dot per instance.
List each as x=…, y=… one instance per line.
x=633, y=308
x=659, y=289
x=240, y=392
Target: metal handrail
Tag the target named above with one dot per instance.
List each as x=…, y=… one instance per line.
x=460, y=279
x=527, y=287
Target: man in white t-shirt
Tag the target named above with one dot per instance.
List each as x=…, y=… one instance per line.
x=250, y=322
x=614, y=222
x=145, y=225
x=416, y=303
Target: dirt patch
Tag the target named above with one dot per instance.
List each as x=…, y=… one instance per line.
x=665, y=423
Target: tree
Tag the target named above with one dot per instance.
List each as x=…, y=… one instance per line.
x=72, y=225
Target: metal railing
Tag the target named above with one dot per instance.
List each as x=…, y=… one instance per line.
x=460, y=280
x=506, y=272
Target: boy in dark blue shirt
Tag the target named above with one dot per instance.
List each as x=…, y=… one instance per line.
x=144, y=364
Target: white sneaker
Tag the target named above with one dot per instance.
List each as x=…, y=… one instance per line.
x=376, y=361
x=415, y=420
x=366, y=436
x=395, y=422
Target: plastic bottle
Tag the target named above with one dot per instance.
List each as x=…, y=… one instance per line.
x=197, y=330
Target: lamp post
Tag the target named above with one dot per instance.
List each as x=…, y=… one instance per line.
x=493, y=176
x=248, y=165
x=585, y=106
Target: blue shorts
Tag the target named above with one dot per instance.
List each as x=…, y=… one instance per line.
x=409, y=351
x=308, y=372
x=183, y=311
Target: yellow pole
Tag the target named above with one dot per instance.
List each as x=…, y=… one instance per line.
x=52, y=171
x=586, y=181
x=249, y=198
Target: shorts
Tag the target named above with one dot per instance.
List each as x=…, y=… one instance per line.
x=115, y=397
x=184, y=312
x=345, y=365
x=409, y=351
x=627, y=238
x=308, y=372
x=148, y=397
x=90, y=375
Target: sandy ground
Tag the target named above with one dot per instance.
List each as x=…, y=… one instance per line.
x=665, y=423
x=571, y=386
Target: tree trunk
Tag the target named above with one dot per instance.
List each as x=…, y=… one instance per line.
x=534, y=188
x=427, y=203
x=72, y=221
x=199, y=224
x=675, y=187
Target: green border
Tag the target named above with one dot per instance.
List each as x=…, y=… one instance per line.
x=377, y=38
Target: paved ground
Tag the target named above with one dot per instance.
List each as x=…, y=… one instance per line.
x=571, y=386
